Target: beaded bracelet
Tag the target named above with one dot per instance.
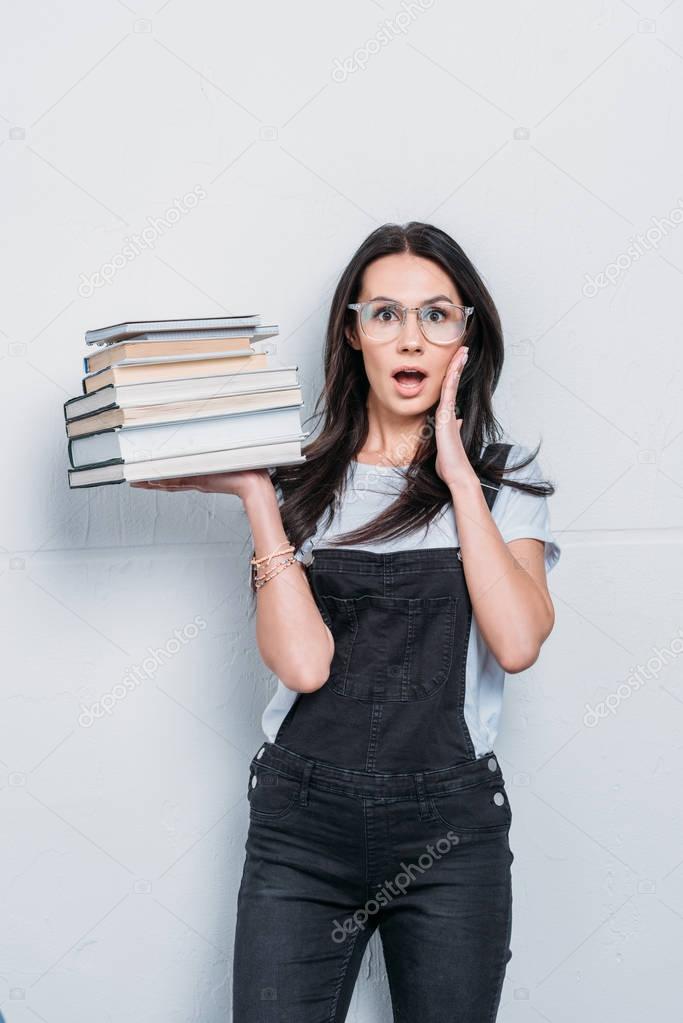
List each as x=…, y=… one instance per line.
x=257, y=581
x=261, y=580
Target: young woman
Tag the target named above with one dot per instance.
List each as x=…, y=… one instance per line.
x=398, y=573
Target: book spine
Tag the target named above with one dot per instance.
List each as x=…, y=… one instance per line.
x=91, y=465
x=87, y=486
x=105, y=335
x=97, y=465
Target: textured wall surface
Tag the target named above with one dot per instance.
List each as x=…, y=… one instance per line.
x=548, y=143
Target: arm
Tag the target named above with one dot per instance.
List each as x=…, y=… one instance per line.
x=293, y=640
x=506, y=581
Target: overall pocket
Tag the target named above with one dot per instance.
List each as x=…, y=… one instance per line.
x=389, y=648
x=271, y=795
x=483, y=807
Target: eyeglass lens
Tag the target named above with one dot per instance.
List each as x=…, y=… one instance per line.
x=441, y=322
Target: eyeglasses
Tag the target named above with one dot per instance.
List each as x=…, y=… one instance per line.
x=441, y=323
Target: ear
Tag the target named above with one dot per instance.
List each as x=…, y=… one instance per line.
x=350, y=336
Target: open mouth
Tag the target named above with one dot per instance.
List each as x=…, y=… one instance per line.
x=408, y=380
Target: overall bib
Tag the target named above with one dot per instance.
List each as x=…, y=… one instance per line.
x=372, y=810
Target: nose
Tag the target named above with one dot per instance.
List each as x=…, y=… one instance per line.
x=410, y=336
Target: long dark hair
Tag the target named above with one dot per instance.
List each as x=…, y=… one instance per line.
x=309, y=488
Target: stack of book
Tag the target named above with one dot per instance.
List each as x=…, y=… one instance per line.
x=164, y=398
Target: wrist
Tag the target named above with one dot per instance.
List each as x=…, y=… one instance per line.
x=259, y=488
x=464, y=485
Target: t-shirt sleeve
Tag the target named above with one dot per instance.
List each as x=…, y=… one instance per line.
x=519, y=515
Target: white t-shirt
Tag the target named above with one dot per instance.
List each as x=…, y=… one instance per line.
x=371, y=489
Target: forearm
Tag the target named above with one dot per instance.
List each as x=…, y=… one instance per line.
x=292, y=637
x=511, y=610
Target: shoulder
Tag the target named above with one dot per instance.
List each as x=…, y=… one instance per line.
x=519, y=514
x=530, y=473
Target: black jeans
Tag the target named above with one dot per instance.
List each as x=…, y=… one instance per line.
x=332, y=854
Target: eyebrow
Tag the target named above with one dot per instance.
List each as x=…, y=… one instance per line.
x=434, y=298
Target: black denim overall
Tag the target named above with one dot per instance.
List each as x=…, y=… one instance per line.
x=369, y=777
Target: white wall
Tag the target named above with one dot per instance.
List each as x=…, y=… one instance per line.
x=544, y=139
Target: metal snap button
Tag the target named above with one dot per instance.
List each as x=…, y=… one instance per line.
x=253, y=781
x=260, y=752
x=492, y=764
x=498, y=798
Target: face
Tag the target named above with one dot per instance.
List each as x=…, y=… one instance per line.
x=412, y=281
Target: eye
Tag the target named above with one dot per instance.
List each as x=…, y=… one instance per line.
x=384, y=313
x=433, y=314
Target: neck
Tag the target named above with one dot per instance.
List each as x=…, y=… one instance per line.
x=391, y=439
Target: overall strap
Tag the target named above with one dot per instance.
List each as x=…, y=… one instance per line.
x=494, y=455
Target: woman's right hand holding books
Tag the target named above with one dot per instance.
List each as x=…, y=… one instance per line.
x=242, y=482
